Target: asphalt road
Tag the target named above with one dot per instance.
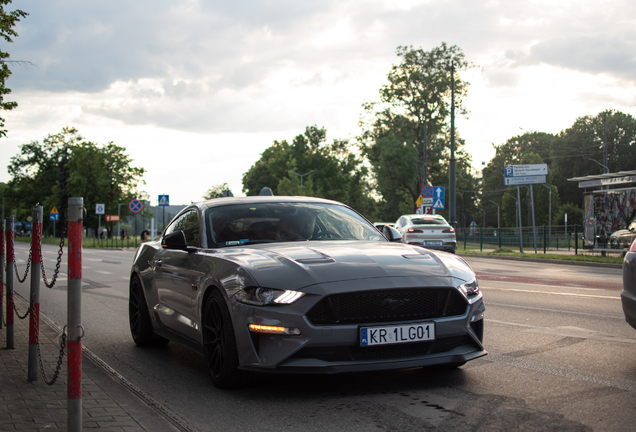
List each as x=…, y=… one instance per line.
x=562, y=358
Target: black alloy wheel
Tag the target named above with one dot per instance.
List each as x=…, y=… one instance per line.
x=219, y=345
x=139, y=317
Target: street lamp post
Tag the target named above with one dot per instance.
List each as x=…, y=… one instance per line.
x=517, y=219
x=498, y=208
x=301, y=180
x=119, y=222
x=550, y=212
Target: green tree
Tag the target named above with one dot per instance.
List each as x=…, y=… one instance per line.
x=216, y=191
x=66, y=165
x=338, y=172
x=8, y=19
x=579, y=150
x=406, y=133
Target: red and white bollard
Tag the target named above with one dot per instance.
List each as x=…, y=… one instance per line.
x=1, y=272
x=9, y=272
x=34, y=298
x=74, y=314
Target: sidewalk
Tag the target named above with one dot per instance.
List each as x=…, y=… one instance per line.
x=34, y=406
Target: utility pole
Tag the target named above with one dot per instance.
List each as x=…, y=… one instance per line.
x=605, y=140
x=498, y=208
x=451, y=171
x=550, y=212
x=425, y=151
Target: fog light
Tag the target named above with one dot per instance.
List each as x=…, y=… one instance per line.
x=258, y=328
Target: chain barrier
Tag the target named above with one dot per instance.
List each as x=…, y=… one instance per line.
x=17, y=273
x=15, y=308
x=56, y=374
x=56, y=272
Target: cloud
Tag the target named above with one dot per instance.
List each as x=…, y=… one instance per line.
x=594, y=54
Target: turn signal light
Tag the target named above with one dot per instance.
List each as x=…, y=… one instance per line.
x=452, y=230
x=257, y=328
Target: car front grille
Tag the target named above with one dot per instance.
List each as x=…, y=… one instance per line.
x=390, y=305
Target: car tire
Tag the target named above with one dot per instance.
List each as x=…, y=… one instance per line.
x=139, y=317
x=219, y=345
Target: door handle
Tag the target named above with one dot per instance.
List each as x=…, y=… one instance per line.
x=156, y=262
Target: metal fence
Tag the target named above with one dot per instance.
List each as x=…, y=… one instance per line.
x=556, y=238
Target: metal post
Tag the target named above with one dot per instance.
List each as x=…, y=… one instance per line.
x=544, y=240
x=534, y=227
x=452, y=161
x=576, y=239
x=74, y=314
x=481, y=239
x=499, y=236
x=9, y=269
x=1, y=272
x=520, y=224
x=34, y=298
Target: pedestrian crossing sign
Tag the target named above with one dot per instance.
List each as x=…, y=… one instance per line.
x=438, y=203
x=164, y=200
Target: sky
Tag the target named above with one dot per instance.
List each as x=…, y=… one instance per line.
x=196, y=90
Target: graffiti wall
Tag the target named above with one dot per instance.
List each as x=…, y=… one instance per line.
x=605, y=212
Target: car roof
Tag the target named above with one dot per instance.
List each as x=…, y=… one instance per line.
x=215, y=202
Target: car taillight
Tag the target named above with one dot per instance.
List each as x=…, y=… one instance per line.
x=411, y=230
x=452, y=230
x=633, y=247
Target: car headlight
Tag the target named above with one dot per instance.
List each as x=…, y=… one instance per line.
x=469, y=289
x=258, y=296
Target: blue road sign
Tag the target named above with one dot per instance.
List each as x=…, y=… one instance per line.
x=135, y=206
x=438, y=192
x=164, y=200
x=28, y=225
x=438, y=203
x=54, y=216
x=427, y=191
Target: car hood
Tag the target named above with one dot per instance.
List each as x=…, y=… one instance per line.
x=298, y=265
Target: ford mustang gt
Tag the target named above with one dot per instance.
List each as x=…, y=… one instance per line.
x=300, y=285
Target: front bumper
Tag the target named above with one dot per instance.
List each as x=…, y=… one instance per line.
x=335, y=348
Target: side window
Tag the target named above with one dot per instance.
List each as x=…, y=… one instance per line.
x=189, y=224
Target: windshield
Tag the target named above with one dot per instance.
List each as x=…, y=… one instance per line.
x=239, y=224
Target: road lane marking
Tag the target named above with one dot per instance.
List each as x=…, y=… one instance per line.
x=552, y=293
x=103, y=272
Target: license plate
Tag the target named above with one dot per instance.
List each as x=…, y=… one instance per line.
x=395, y=334
x=432, y=242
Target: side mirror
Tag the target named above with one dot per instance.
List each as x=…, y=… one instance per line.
x=175, y=240
x=391, y=234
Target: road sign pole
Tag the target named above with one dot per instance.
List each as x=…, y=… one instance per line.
x=74, y=314
x=534, y=228
x=34, y=298
x=520, y=224
x=1, y=272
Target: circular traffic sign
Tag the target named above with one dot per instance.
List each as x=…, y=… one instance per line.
x=427, y=191
x=135, y=206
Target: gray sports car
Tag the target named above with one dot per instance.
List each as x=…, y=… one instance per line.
x=300, y=285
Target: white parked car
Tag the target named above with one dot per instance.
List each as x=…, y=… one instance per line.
x=427, y=230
